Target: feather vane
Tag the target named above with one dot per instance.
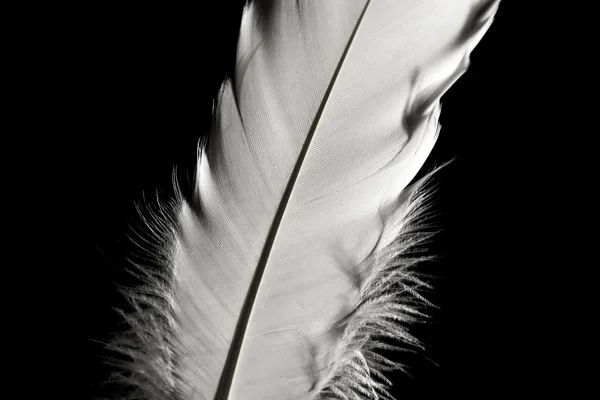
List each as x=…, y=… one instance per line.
x=293, y=262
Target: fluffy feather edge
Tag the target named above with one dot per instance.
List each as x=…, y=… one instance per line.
x=391, y=301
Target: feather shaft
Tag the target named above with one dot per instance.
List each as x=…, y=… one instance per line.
x=240, y=331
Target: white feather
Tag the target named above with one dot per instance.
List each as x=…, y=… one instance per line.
x=292, y=259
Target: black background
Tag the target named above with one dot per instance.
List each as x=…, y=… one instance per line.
x=152, y=78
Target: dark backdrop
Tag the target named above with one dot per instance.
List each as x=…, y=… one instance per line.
x=153, y=76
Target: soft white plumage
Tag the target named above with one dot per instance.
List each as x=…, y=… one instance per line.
x=291, y=261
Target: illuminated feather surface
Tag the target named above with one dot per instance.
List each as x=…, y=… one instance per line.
x=289, y=269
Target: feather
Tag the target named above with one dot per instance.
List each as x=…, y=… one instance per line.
x=291, y=267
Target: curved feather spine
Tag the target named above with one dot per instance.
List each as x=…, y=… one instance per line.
x=240, y=331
